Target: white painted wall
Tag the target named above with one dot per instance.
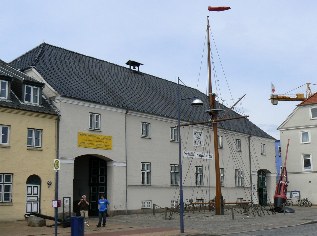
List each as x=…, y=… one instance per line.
x=299, y=179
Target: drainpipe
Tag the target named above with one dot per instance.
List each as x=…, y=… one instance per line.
x=126, y=161
x=56, y=172
x=250, y=164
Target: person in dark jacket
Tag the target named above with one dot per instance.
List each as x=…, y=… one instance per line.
x=83, y=208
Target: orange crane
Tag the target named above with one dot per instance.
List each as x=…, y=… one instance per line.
x=275, y=98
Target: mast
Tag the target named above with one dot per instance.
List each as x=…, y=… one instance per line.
x=213, y=112
x=214, y=115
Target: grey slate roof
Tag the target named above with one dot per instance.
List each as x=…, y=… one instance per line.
x=11, y=74
x=86, y=78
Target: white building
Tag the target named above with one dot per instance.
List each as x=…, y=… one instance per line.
x=300, y=128
x=118, y=136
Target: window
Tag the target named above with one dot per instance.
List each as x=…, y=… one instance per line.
x=220, y=142
x=4, y=89
x=222, y=177
x=198, y=138
x=31, y=94
x=174, y=203
x=307, y=162
x=174, y=174
x=279, y=151
x=145, y=130
x=6, y=187
x=4, y=132
x=305, y=137
x=147, y=204
x=174, y=134
x=313, y=112
x=238, y=145
x=94, y=121
x=239, y=179
x=199, y=175
x=34, y=138
x=146, y=173
x=262, y=148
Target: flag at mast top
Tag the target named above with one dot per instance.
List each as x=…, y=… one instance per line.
x=218, y=8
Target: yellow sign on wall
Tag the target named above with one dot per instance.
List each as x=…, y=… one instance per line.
x=95, y=141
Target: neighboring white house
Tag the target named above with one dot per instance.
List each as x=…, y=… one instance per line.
x=300, y=128
x=118, y=136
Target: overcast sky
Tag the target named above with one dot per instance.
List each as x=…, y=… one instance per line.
x=254, y=44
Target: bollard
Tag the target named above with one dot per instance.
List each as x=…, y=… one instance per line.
x=154, y=209
x=165, y=213
x=232, y=214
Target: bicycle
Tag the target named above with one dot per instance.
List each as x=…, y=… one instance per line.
x=304, y=202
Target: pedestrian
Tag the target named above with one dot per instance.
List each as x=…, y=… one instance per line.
x=102, y=207
x=83, y=208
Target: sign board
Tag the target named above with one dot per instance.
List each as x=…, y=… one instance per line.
x=57, y=165
x=95, y=141
x=197, y=155
x=56, y=203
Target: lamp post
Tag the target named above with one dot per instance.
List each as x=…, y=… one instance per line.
x=195, y=102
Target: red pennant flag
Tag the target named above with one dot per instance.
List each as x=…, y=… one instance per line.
x=218, y=8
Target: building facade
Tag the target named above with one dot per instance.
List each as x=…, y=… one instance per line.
x=118, y=136
x=300, y=130
x=28, y=141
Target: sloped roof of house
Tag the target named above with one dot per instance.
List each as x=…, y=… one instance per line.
x=14, y=102
x=81, y=77
x=309, y=101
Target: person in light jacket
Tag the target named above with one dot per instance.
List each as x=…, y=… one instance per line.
x=102, y=207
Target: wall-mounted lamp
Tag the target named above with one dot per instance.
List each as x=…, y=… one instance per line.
x=49, y=183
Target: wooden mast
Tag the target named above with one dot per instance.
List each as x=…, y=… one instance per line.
x=214, y=115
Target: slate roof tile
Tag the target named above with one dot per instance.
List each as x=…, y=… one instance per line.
x=14, y=102
x=86, y=78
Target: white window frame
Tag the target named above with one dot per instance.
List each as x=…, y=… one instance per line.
x=4, y=137
x=263, y=149
x=220, y=141
x=239, y=178
x=199, y=176
x=302, y=136
x=198, y=138
x=146, y=173
x=34, y=95
x=174, y=173
x=238, y=145
x=174, y=203
x=5, y=185
x=145, y=129
x=34, y=138
x=311, y=113
x=146, y=204
x=94, y=121
x=305, y=157
x=222, y=177
x=4, y=88
x=174, y=134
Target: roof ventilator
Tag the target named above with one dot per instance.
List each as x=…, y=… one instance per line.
x=133, y=65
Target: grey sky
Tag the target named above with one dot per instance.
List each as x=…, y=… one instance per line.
x=258, y=41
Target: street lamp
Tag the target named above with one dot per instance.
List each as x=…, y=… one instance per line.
x=195, y=102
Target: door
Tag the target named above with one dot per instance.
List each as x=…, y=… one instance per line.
x=32, y=198
x=97, y=182
x=262, y=190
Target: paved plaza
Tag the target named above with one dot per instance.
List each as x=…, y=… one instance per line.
x=196, y=223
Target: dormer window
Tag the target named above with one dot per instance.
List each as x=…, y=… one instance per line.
x=32, y=94
x=4, y=89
